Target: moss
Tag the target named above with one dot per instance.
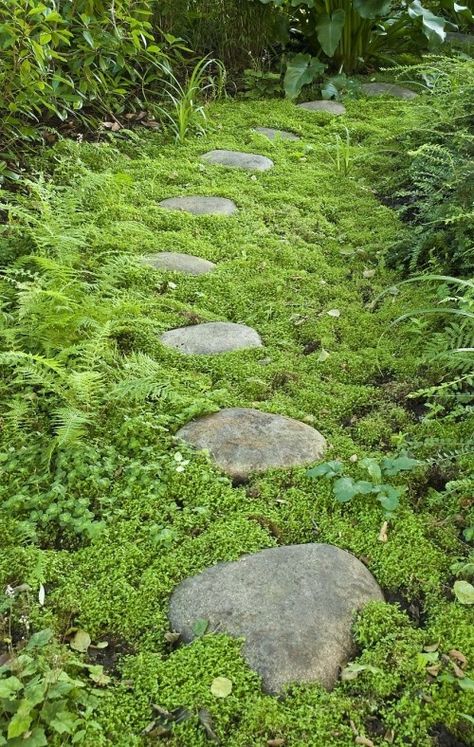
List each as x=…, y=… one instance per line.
x=299, y=247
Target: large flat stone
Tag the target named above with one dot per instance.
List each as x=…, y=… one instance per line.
x=242, y=441
x=273, y=134
x=387, y=89
x=200, y=205
x=331, y=107
x=293, y=605
x=211, y=338
x=236, y=160
x=177, y=262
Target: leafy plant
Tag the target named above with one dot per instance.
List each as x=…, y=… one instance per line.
x=346, y=488
x=261, y=84
x=186, y=112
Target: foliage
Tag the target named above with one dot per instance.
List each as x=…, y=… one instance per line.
x=186, y=99
x=352, y=33
x=43, y=700
x=346, y=488
x=74, y=63
x=261, y=84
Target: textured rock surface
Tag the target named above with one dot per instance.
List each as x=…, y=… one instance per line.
x=235, y=159
x=273, y=134
x=387, y=89
x=177, y=262
x=332, y=107
x=242, y=441
x=210, y=338
x=198, y=205
x=294, y=606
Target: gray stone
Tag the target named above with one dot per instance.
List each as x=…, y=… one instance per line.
x=331, y=107
x=293, y=605
x=242, y=441
x=177, y=262
x=276, y=134
x=235, y=159
x=387, y=89
x=211, y=338
x=198, y=205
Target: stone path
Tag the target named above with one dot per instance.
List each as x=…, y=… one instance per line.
x=294, y=606
x=177, y=262
x=276, y=134
x=331, y=107
x=211, y=338
x=235, y=159
x=242, y=441
x=388, y=89
x=199, y=205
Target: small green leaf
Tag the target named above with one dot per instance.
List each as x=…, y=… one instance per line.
x=389, y=497
x=464, y=592
x=221, y=687
x=200, y=627
x=466, y=683
x=373, y=468
x=87, y=36
x=9, y=687
x=40, y=639
x=63, y=722
x=392, y=467
x=344, y=489
x=326, y=469
x=81, y=641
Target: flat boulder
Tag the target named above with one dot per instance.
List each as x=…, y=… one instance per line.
x=200, y=205
x=387, y=89
x=273, y=134
x=242, y=440
x=177, y=262
x=294, y=606
x=237, y=160
x=331, y=107
x=211, y=338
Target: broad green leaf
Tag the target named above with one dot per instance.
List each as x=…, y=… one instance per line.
x=327, y=469
x=221, y=687
x=464, y=592
x=64, y=722
x=40, y=639
x=301, y=70
x=329, y=30
x=37, y=738
x=81, y=641
x=200, y=627
x=372, y=8
x=9, y=687
x=433, y=26
x=392, y=467
x=21, y=721
x=87, y=36
x=373, y=468
x=389, y=497
x=344, y=489
x=466, y=683
x=364, y=487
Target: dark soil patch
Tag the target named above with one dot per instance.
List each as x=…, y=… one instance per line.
x=444, y=738
x=415, y=608
x=110, y=656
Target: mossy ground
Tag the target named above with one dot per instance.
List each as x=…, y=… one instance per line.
x=304, y=236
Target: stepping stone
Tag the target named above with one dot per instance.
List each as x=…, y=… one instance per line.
x=198, y=205
x=242, y=441
x=176, y=262
x=293, y=605
x=276, y=134
x=211, y=338
x=238, y=160
x=332, y=107
x=388, y=89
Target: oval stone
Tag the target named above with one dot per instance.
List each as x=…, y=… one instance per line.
x=242, y=440
x=177, y=262
x=273, y=134
x=293, y=605
x=211, y=338
x=331, y=107
x=237, y=160
x=198, y=205
x=387, y=89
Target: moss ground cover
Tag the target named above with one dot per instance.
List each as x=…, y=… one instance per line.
x=114, y=521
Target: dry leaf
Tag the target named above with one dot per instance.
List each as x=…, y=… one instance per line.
x=389, y=736
x=334, y=312
x=278, y=742
x=431, y=648
x=365, y=741
x=41, y=595
x=171, y=636
x=221, y=687
x=458, y=657
x=458, y=671
x=81, y=641
x=383, y=536
x=323, y=356
x=368, y=273
x=434, y=670
x=206, y=722
x=353, y=458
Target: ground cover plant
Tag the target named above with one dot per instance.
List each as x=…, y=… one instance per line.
x=104, y=512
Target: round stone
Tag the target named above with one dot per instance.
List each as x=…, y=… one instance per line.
x=235, y=159
x=331, y=107
x=176, y=262
x=276, y=134
x=293, y=605
x=211, y=338
x=198, y=205
x=242, y=441
x=387, y=89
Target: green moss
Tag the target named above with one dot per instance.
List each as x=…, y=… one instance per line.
x=299, y=247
